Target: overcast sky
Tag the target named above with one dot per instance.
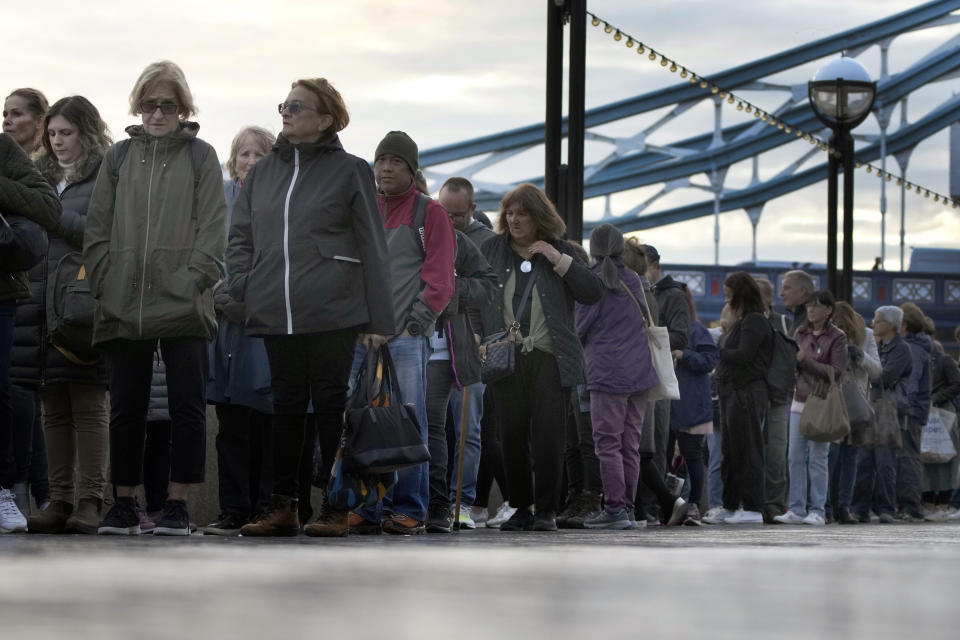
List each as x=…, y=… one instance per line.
x=448, y=70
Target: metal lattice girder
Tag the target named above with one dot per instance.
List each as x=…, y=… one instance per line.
x=904, y=138
x=684, y=92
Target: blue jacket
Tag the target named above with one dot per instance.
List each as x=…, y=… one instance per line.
x=918, y=384
x=695, y=405
x=614, y=340
x=239, y=369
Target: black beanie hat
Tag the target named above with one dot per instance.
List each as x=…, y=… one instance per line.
x=399, y=144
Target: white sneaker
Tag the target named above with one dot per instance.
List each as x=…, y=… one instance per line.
x=716, y=515
x=504, y=513
x=744, y=517
x=953, y=513
x=11, y=520
x=480, y=516
x=935, y=515
x=678, y=514
x=465, y=521
x=789, y=518
x=813, y=518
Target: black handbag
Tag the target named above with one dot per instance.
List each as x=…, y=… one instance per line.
x=382, y=433
x=499, y=354
x=23, y=243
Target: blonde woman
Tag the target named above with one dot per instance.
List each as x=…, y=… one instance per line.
x=153, y=249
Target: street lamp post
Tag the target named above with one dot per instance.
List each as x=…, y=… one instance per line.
x=841, y=94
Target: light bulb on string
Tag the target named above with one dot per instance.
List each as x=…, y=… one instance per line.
x=730, y=99
x=869, y=169
x=703, y=84
x=683, y=73
x=595, y=22
x=889, y=177
x=899, y=182
x=607, y=28
x=739, y=106
x=749, y=109
x=926, y=194
x=787, y=129
x=641, y=49
x=653, y=55
x=673, y=68
x=629, y=43
x=618, y=36
x=663, y=61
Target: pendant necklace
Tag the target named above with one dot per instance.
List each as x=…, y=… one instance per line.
x=526, y=266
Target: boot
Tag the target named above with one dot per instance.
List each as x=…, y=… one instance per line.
x=589, y=504
x=21, y=495
x=569, y=509
x=52, y=519
x=331, y=523
x=87, y=518
x=280, y=519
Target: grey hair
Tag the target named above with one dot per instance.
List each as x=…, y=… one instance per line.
x=893, y=315
x=804, y=279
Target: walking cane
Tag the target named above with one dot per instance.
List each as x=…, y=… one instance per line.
x=463, y=439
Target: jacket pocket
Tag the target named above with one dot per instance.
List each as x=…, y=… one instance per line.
x=340, y=255
x=120, y=285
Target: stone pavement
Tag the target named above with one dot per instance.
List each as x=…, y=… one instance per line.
x=864, y=581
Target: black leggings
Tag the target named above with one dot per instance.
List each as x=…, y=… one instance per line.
x=691, y=448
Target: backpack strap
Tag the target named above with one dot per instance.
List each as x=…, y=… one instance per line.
x=198, y=155
x=419, y=221
x=119, y=155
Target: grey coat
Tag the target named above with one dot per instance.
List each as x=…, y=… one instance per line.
x=307, y=250
x=557, y=297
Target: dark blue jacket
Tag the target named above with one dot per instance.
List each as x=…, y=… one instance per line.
x=695, y=405
x=239, y=369
x=918, y=384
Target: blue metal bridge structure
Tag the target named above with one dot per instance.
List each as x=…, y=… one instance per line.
x=635, y=161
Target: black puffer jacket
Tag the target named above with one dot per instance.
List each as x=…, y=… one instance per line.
x=24, y=192
x=35, y=361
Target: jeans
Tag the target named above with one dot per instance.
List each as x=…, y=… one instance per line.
x=617, y=424
x=8, y=465
x=472, y=447
x=876, y=482
x=76, y=421
x=776, y=436
x=303, y=368
x=843, y=476
x=715, y=464
x=910, y=469
x=130, y=370
x=808, y=471
x=411, y=494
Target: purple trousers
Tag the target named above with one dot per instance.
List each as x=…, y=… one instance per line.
x=617, y=424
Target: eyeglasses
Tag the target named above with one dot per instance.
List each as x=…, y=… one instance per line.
x=294, y=107
x=147, y=107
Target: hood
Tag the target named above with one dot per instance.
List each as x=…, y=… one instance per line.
x=666, y=282
x=325, y=145
x=921, y=340
x=187, y=131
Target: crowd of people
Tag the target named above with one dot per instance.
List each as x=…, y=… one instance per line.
x=265, y=294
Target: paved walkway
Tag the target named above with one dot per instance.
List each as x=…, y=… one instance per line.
x=893, y=581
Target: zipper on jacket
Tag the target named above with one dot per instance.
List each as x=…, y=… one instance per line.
x=286, y=241
x=146, y=242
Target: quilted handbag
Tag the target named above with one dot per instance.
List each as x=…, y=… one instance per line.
x=382, y=433
x=498, y=353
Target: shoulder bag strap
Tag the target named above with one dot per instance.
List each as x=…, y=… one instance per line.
x=643, y=312
x=515, y=327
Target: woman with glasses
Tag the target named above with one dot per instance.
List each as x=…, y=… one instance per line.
x=153, y=249
x=822, y=352
x=307, y=261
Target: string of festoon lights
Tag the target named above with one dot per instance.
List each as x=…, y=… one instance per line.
x=744, y=105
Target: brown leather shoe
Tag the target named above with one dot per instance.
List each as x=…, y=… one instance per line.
x=280, y=519
x=86, y=519
x=399, y=524
x=52, y=519
x=329, y=524
x=358, y=525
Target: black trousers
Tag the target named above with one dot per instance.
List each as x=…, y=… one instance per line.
x=130, y=369
x=244, y=459
x=439, y=385
x=580, y=456
x=156, y=464
x=29, y=445
x=742, y=411
x=531, y=408
x=491, y=453
x=306, y=368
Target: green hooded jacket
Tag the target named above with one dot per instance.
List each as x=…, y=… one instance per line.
x=154, y=242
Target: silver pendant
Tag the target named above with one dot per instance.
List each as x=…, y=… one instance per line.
x=526, y=267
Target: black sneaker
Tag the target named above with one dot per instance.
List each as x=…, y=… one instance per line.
x=121, y=520
x=174, y=521
x=227, y=524
x=522, y=520
x=439, y=519
x=545, y=521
